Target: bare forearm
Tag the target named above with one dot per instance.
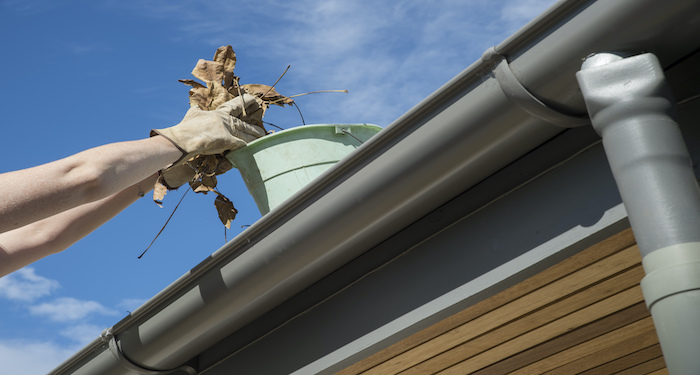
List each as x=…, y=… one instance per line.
x=32, y=242
x=46, y=190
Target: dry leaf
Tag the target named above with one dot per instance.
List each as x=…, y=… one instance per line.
x=227, y=57
x=159, y=191
x=205, y=164
x=191, y=82
x=204, y=184
x=267, y=93
x=227, y=213
x=200, y=95
x=224, y=166
x=220, y=85
x=219, y=95
x=208, y=71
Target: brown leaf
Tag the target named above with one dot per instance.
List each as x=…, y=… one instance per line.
x=227, y=57
x=267, y=93
x=204, y=184
x=200, y=96
x=219, y=95
x=206, y=71
x=205, y=164
x=209, y=182
x=235, y=88
x=224, y=165
x=159, y=191
x=227, y=212
x=191, y=82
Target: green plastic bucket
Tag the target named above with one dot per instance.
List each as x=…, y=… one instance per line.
x=278, y=165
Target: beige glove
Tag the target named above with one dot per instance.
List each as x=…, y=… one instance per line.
x=214, y=132
x=211, y=132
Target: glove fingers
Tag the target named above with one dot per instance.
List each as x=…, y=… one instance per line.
x=246, y=129
x=177, y=175
x=234, y=107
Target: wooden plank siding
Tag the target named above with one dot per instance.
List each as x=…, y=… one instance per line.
x=584, y=315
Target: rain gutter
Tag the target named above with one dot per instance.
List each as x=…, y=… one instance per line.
x=480, y=121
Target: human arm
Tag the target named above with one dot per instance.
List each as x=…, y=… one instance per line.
x=45, y=209
x=36, y=193
x=56, y=233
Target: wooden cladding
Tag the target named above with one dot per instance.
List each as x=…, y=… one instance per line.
x=585, y=315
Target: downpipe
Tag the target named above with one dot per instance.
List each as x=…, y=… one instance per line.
x=633, y=110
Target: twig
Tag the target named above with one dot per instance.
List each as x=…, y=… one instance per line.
x=316, y=92
x=278, y=79
x=166, y=223
x=307, y=93
x=269, y=123
x=238, y=87
x=300, y=115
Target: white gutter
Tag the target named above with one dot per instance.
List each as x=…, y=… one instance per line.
x=455, y=138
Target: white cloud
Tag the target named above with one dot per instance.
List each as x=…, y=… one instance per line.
x=32, y=357
x=67, y=309
x=521, y=11
x=388, y=55
x=82, y=334
x=26, y=285
x=131, y=304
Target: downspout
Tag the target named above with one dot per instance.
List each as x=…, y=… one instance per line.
x=631, y=107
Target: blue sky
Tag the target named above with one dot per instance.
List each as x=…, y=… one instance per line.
x=79, y=74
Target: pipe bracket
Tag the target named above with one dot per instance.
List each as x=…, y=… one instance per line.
x=524, y=99
x=117, y=353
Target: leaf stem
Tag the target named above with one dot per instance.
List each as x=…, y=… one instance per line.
x=166, y=223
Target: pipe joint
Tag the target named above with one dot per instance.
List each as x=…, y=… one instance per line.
x=670, y=271
x=524, y=99
x=115, y=350
x=617, y=88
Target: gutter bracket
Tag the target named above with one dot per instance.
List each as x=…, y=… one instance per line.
x=524, y=99
x=108, y=336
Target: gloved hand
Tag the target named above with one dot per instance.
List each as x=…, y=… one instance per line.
x=177, y=175
x=211, y=132
x=214, y=132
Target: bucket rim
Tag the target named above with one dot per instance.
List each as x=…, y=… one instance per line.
x=302, y=128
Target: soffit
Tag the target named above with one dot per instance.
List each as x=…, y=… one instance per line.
x=585, y=314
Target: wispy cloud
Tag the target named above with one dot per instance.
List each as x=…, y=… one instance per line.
x=388, y=55
x=82, y=334
x=69, y=317
x=67, y=309
x=131, y=304
x=25, y=285
x=32, y=357
x=518, y=12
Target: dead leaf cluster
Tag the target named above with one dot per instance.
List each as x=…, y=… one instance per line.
x=214, y=85
x=221, y=85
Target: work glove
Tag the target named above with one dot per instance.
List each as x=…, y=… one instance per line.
x=200, y=132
